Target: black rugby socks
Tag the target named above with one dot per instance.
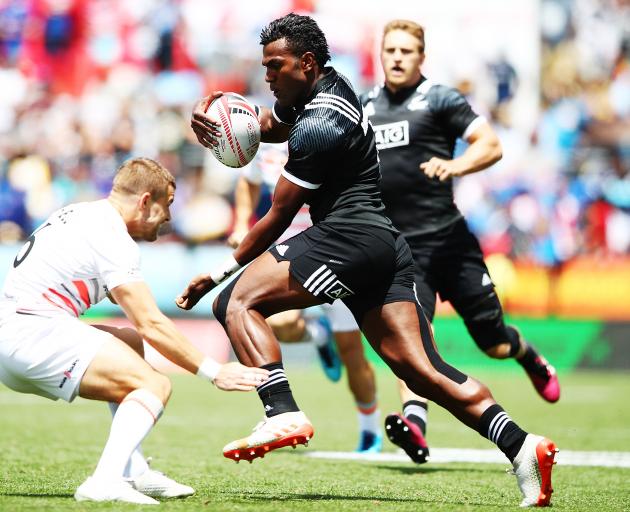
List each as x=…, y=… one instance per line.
x=275, y=393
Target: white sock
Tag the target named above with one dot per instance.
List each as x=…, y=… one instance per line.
x=137, y=464
x=135, y=417
x=316, y=333
x=369, y=417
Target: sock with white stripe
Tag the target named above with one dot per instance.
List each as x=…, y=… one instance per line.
x=275, y=393
x=499, y=428
x=137, y=464
x=369, y=417
x=133, y=420
x=416, y=412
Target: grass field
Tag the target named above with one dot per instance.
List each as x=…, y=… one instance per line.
x=48, y=448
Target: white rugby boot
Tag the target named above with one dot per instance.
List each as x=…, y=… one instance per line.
x=157, y=485
x=94, y=489
x=532, y=466
x=286, y=429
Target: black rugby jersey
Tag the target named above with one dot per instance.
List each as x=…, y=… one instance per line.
x=332, y=151
x=411, y=127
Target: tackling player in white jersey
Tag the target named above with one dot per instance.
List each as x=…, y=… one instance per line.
x=293, y=325
x=81, y=254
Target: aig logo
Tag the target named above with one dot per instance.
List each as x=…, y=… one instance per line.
x=392, y=135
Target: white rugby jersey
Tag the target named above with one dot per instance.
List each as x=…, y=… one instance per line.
x=70, y=261
x=267, y=168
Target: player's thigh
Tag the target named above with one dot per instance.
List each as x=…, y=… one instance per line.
x=127, y=334
x=116, y=370
x=267, y=286
x=466, y=274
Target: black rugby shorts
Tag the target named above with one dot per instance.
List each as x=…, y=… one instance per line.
x=362, y=265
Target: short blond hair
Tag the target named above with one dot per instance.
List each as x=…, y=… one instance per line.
x=408, y=26
x=140, y=175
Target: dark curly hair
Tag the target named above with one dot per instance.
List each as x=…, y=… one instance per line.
x=302, y=35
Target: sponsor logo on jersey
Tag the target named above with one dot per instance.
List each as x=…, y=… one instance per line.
x=281, y=249
x=392, y=135
x=485, y=279
x=68, y=373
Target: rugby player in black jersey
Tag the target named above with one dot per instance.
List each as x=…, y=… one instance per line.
x=352, y=252
x=416, y=124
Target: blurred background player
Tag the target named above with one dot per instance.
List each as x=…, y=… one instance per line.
x=336, y=326
x=416, y=123
x=81, y=254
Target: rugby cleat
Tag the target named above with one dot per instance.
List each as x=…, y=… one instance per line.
x=408, y=436
x=157, y=485
x=287, y=429
x=544, y=379
x=370, y=442
x=94, y=489
x=328, y=357
x=532, y=466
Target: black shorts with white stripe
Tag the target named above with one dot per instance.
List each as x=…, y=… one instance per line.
x=364, y=266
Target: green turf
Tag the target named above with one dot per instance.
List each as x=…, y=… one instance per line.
x=48, y=448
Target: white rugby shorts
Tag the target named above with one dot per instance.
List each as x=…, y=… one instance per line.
x=47, y=356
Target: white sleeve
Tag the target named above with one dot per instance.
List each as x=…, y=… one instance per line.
x=117, y=258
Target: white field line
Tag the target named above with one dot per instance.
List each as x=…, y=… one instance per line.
x=443, y=455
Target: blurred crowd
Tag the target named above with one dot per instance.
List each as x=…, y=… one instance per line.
x=88, y=83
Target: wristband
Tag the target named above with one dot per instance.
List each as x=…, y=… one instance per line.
x=208, y=369
x=225, y=270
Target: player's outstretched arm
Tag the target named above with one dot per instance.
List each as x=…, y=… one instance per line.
x=160, y=332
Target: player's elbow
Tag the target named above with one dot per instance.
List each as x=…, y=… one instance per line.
x=495, y=151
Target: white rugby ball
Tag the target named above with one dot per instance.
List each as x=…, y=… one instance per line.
x=240, y=129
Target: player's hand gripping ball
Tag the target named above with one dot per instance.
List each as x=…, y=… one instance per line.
x=239, y=127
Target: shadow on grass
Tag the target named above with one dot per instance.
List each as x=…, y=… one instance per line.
x=411, y=470
x=38, y=495
x=288, y=497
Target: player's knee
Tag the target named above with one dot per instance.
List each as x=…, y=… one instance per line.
x=223, y=301
x=500, y=351
x=160, y=385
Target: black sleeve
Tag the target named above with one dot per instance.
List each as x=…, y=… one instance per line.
x=285, y=115
x=451, y=108
x=311, y=143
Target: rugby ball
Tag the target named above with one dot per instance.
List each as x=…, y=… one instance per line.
x=239, y=127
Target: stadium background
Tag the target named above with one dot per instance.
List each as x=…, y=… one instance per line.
x=87, y=84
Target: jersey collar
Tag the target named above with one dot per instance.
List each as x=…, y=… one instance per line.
x=403, y=94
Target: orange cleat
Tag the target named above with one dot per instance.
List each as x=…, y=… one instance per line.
x=287, y=429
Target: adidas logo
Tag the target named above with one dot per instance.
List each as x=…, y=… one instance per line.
x=268, y=408
x=485, y=280
x=281, y=249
